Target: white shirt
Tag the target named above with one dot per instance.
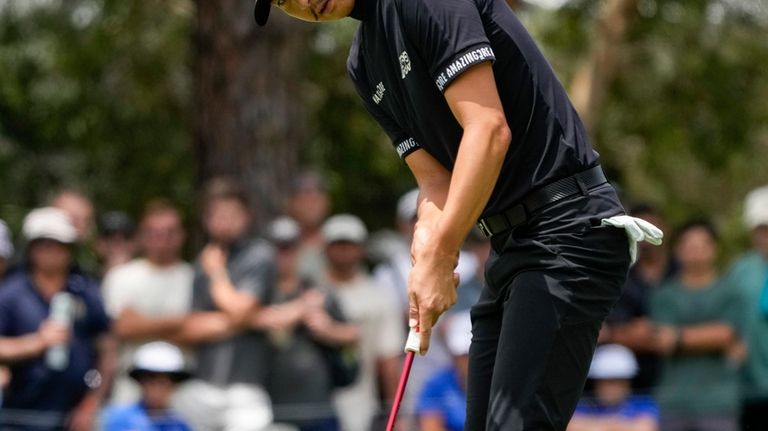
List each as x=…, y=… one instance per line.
x=382, y=336
x=150, y=290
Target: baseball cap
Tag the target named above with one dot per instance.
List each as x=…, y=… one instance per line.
x=159, y=357
x=49, y=223
x=613, y=361
x=458, y=334
x=6, y=244
x=283, y=230
x=756, y=208
x=116, y=222
x=407, y=206
x=261, y=10
x=344, y=227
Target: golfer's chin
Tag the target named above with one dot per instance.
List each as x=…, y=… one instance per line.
x=326, y=10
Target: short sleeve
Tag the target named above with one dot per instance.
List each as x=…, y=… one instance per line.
x=115, y=297
x=448, y=34
x=254, y=272
x=404, y=143
x=98, y=321
x=733, y=308
x=661, y=308
x=5, y=316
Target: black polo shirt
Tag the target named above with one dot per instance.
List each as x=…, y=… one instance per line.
x=407, y=52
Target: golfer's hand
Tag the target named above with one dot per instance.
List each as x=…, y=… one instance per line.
x=431, y=285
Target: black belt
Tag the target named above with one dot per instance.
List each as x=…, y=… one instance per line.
x=563, y=188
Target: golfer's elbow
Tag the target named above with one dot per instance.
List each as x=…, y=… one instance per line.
x=500, y=135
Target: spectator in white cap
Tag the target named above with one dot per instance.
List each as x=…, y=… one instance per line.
x=376, y=314
x=441, y=402
x=157, y=367
x=749, y=274
x=6, y=248
x=53, y=332
x=613, y=406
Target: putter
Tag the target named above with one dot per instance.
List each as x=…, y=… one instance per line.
x=412, y=345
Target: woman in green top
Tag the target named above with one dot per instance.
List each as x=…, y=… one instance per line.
x=696, y=317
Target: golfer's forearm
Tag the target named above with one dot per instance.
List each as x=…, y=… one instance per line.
x=477, y=168
x=14, y=349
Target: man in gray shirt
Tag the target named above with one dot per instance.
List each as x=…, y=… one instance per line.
x=233, y=274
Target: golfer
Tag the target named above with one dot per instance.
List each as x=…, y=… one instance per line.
x=479, y=117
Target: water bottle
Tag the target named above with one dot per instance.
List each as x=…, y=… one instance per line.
x=63, y=313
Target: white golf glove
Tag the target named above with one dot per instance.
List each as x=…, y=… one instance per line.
x=637, y=230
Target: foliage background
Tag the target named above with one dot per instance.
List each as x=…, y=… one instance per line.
x=98, y=94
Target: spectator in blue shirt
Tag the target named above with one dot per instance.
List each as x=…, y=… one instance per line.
x=157, y=367
x=614, y=407
x=58, y=355
x=442, y=403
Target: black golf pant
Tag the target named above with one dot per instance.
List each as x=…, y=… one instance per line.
x=550, y=282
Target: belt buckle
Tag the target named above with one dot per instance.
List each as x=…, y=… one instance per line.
x=484, y=228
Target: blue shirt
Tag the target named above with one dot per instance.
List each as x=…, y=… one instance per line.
x=443, y=395
x=632, y=408
x=33, y=385
x=136, y=417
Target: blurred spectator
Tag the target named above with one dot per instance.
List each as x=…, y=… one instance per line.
x=6, y=254
x=6, y=248
x=479, y=246
x=376, y=314
x=157, y=368
x=309, y=204
x=56, y=378
x=629, y=323
x=80, y=210
x=149, y=297
x=392, y=274
x=115, y=242
x=749, y=274
x=442, y=401
x=614, y=407
x=697, y=316
x=304, y=325
x=232, y=278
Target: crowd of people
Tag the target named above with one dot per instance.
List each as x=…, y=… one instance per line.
x=300, y=325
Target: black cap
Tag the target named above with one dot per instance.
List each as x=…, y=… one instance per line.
x=261, y=11
x=116, y=222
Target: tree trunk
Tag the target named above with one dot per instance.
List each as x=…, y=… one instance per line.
x=598, y=70
x=249, y=117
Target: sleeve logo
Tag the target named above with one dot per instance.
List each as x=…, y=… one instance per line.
x=405, y=64
x=406, y=146
x=379, y=94
x=462, y=63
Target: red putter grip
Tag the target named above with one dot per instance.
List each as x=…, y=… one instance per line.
x=412, y=346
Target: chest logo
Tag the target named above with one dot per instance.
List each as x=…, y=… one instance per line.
x=405, y=64
x=379, y=94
